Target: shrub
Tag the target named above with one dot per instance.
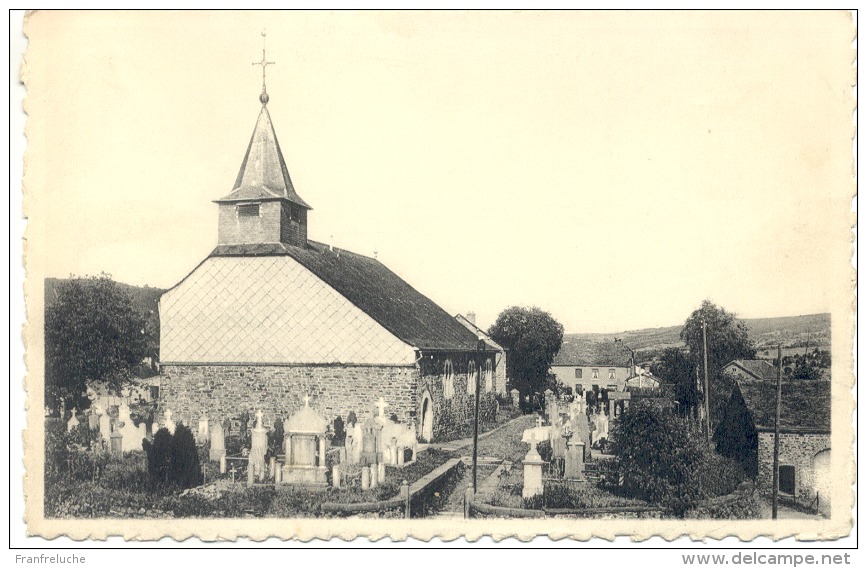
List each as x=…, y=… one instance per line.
x=185, y=469
x=657, y=456
x=339, y=432
x=173, y=459
x=159, y=456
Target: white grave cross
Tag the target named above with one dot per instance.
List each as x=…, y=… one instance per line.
x=381, y=405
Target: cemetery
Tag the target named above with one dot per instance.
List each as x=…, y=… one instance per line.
x=107, y=461
x=115, y=459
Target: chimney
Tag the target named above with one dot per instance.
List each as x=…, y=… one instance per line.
x=471, y=317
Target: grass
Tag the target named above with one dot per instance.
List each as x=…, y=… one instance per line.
x=506, y=443
x=556, y=494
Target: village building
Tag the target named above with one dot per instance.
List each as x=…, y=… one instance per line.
x=589, y=365
x=757, y=369
x=270, y=317
x=500, y=378
x=746, y=432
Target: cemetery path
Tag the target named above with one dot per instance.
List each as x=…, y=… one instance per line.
x=503, y=442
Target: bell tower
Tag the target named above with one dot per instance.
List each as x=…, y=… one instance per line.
x=263, y=206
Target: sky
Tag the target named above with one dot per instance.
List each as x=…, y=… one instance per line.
x=612, y=168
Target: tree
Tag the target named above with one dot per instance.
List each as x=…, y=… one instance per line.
x=532, y=337
x=92, y=333
x=657, y=456
x=727, y=340
x=675, y=366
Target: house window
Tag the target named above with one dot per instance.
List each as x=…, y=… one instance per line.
x=472, y=377
x=248, y=210
x=787, y=479
x=578, y=373
x=489, y=376
x=595, y=374
x=448, y=379
x=612, y=374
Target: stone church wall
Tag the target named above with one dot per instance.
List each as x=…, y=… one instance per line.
x=796, y=449
x=453, y=417
x=226, y=391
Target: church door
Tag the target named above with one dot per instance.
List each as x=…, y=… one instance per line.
x=427, y=418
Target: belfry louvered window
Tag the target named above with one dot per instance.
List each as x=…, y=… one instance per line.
x=248, y=210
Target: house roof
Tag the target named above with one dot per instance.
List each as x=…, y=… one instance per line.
x=477, y=330
x=376, y=290
x=805, y=405
x=263, y=173
x=758, y=368
x=588, y=353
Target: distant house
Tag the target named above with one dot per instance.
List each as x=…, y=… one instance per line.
x=592, y=365
x=501, y=378
x=643, y=379
x=746, y=431
x=757, y=369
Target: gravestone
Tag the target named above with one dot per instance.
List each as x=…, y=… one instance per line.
x=105, y=428
x=92, y=419
x=258, y=447
x=218, y=443
x=132, y=437
x=601, y=427
x=204, y=431
x=353, y=442
x=516, y=398
x=574, y=468
x=371, y=442
x=73, y=420
x=168, y=423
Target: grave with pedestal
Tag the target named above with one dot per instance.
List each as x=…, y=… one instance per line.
x=533, y=461
x=304, y=446
x=516, y=398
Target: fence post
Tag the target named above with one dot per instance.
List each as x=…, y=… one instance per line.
x=404, y=491
x=469, y=494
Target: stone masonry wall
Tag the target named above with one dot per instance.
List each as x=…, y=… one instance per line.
x=226, y=391
x=795, y=449
x=453, y=418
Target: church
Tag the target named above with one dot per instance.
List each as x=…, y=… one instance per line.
x=271, y=317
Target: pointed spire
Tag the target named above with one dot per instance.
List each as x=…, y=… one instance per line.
x=263, y=173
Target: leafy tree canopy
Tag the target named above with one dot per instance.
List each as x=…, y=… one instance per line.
x=92, y=333
x=532, y=337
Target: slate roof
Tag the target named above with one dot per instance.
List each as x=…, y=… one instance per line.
x=477, y=330
x=587, y=353
x=263, y=173
x=758, y=368
x=805, y=405
x=376, y=290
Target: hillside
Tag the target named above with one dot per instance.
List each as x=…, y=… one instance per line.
x=792, y=331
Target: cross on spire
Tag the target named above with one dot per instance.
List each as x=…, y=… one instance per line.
x=264, y=63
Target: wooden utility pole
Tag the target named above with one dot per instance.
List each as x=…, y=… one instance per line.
x=706, y=384
x=480, y=347
x=776, y=474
